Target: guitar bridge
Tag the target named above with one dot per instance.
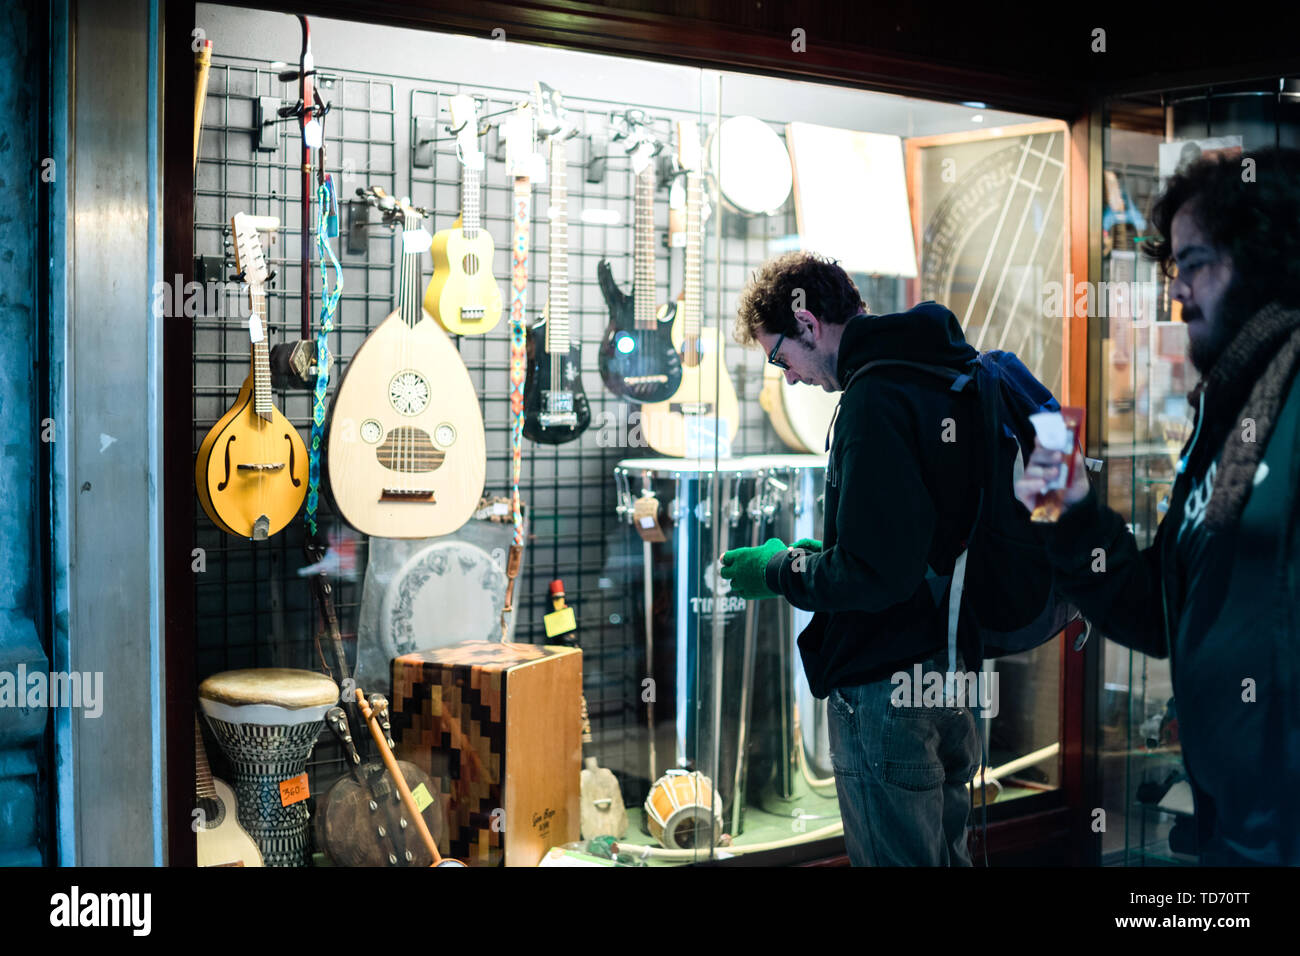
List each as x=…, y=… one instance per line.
x=560, y=419
x=691, y=408
x=408, y=494
x=646, y=380
x=261, y=467
x=473, y=313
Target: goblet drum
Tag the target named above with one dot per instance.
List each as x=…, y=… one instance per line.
x=266, y=721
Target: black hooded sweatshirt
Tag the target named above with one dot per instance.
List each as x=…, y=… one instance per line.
x=899, y=502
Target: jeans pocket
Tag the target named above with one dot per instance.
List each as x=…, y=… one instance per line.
x=847, y=757
x=910, y=750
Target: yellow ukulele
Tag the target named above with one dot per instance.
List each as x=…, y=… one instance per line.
x=251, y=473
x=463, y=295
x=695, y=419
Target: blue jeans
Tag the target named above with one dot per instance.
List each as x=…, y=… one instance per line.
x=901, y=775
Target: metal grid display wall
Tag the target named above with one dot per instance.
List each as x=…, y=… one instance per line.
x=254, y=608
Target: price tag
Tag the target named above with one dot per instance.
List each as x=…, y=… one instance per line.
x=416, y=240
x=255, y=329
x=294, y=790
x=560, y=622
x=645, y=514
x=311, y=133
x=422, y=797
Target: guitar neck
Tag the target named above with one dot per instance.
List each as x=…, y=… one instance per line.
x=692, y=300
x=261, y=363
x=203, y=786
x=470, y=221
x=557, y=297
x=409, y=303
x=643, y=291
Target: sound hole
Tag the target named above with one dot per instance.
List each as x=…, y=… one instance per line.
x=225, y=481
x=409, y=450
x=469, y=264
x=297, y=482
x=214, y=812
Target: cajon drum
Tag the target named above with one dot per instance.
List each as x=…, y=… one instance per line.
x=498, y=728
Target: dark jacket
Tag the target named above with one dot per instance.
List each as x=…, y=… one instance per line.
x=899, y=499
x=1224, y=605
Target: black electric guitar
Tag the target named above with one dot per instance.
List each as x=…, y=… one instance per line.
x=637, y=357
x=555, y=405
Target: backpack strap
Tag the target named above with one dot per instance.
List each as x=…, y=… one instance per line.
x=960, y=378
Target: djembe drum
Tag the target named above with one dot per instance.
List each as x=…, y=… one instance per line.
x=266, y=721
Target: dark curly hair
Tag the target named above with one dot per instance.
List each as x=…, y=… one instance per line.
x=1254, y=219
x=767, y=303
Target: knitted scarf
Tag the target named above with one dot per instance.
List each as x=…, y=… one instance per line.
x=1252, y=379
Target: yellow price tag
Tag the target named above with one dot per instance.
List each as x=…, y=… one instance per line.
x=422, y=797
x=560, y=622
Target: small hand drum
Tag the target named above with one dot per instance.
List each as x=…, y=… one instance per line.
x=266, y=721
x=677, y=810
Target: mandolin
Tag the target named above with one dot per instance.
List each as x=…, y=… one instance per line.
x=251, y=472
x=555, y=404
x=694, y=420
x=637, y=358
x=221, y=840
x=463, y=294
x=406, y=453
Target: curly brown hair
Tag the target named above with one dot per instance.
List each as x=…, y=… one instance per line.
x=1254, y=220
x=767, y=303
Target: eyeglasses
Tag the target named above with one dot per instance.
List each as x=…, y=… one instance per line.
x=771, y=356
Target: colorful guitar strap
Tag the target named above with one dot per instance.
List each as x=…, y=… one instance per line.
x=327, y=227
x=518, y=371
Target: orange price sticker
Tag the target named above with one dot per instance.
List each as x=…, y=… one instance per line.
x=294, y=790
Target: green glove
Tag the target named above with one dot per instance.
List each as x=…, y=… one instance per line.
x=808, y=544
x=745, y=568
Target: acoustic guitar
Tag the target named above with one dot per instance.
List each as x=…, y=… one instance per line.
x=463, y=295
x=221, y=840
x=406, y=454
x=637, y=358
x=555, y=405
x=251, y=472
x=694, y=419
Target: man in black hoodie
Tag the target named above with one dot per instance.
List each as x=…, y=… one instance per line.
x=1218, y=592
x=898, y=503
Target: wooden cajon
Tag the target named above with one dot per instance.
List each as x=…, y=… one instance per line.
x=498, y=728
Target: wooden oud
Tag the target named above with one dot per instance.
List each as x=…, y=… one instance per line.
x=704, y=406
x=406, y=451
x=463, y=295
x=251, y=472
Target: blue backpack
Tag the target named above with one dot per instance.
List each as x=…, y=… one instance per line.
x=1003, y=571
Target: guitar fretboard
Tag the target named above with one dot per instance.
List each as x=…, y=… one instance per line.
x=643, y=293
x=261, y=358
x=469, y=204
x=691, y=294
x=408, y=277
x=203, y=786
x=557, y=298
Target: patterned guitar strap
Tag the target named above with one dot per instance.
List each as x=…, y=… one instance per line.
x=518, y=370
x=327, y=226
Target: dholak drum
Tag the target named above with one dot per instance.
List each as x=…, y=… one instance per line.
x=684, y=811
x=266, y=721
